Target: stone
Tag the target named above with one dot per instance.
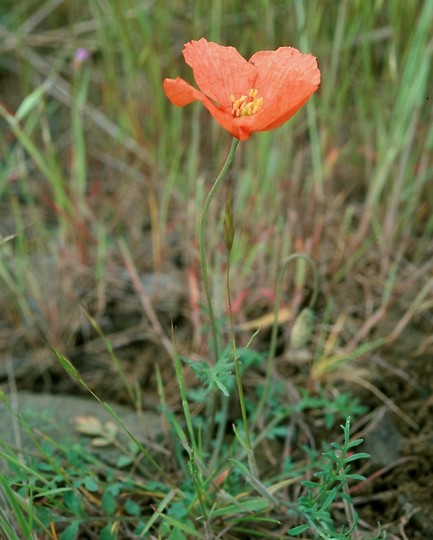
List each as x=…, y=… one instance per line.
x=60, y=418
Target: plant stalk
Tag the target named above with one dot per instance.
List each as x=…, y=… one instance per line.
x=202, y=243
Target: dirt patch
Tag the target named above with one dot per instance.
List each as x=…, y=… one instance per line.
x=400, y=482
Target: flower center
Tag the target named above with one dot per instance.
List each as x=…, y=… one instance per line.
x=246, y=105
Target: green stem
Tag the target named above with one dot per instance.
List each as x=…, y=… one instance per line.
x=184, y=399
x=202, y=242
x=250, y=452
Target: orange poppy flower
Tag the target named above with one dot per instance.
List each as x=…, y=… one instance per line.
x=246, y=96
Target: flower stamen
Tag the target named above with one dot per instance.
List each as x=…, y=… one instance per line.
x=246, y=105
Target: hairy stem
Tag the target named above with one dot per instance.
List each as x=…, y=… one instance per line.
x=202, y=242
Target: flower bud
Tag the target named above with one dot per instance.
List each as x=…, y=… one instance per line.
x=302, y=329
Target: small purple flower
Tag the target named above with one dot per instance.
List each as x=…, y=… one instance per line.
x=81, y=56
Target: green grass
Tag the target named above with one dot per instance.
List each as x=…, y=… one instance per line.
x=101, y=177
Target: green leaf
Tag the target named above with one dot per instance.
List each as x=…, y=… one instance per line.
x=249, y=506
x=66, y=365
x=241, y=467
x=239, y=437
x=217, y=375
x=295, y=531
x=257, y=485
x=329, y=499
x=107, y=533
x=70, y=533
x=124, y=461
x=108, y=502
x=132, y=507
x=355, y=442
x=90, y=484
x=72, y=501
x=311, y=485
x=14, y=502
x=359, y=477
x=360, y=455
x=178, y=510
x=30, y=101
x=331, y=456
x=186, y=527
x=176, y=534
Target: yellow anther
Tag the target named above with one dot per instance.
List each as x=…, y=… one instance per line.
x=246, y=105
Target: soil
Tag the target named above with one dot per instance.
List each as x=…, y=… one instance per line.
x=401, y=486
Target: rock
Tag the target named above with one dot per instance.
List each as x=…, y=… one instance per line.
x=383, y=441
x=55, y=416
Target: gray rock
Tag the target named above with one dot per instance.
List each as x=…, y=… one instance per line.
x=383, y=440
x=65, y=418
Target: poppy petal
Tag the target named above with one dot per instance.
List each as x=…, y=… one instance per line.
x=286, y=79
x=180, y=93
x=219, y=71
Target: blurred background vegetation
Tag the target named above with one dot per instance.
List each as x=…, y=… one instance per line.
x=93, y=153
